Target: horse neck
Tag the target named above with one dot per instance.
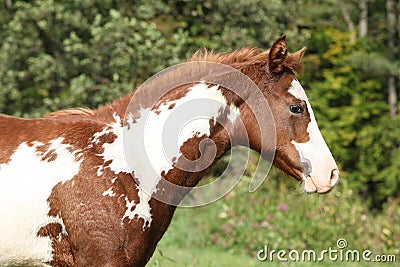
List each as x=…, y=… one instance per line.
x=203, y=153
x=179, y=180
x=118, y=107
x=190, y=152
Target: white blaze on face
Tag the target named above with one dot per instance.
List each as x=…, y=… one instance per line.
x=315, y=152
x=26, y=182
x=151, y=144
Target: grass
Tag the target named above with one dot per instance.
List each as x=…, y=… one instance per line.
x=230, y=231
x=199, y=257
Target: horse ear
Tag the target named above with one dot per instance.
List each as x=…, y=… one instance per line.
x=277, y=54
x=299, y=54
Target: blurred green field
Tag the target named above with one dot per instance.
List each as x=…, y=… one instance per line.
x=230, y=231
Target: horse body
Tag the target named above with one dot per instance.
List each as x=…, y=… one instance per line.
x=69, y=198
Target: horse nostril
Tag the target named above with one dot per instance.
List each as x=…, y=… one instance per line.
x=334, y=177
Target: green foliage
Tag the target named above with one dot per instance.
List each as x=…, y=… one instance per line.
x=227, y=24
x=61, y=54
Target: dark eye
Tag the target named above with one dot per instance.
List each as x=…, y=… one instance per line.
x=296, y=108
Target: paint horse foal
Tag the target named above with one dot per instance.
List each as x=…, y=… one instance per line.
x=67, y=197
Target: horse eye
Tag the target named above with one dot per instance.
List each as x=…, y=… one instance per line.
x=298, y=109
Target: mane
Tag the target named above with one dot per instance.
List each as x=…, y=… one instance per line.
x=104, y=113
x=243, y=57
x=70, y=112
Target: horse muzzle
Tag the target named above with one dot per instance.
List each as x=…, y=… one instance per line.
x=313, y=185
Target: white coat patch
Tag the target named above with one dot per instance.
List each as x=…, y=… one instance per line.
x=26, y=182
x=315, y=151
x=150, y=145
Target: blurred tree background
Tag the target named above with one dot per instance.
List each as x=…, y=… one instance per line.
x=60, y=54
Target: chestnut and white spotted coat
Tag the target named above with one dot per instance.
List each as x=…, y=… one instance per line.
x=59, y=162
